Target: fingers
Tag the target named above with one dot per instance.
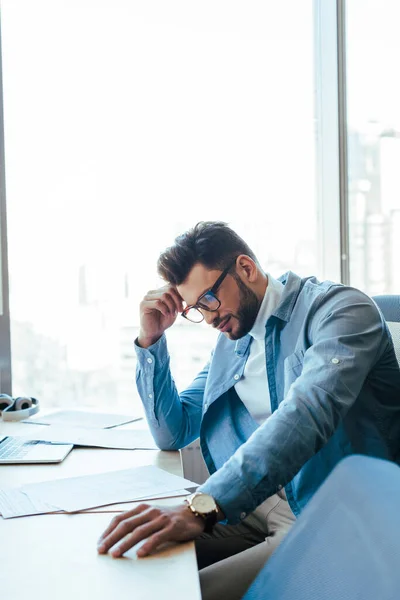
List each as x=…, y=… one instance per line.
x=159, y=305
x=141, y=533
x=115, y=522
x=177, y=298
x=169, y=300
x=166, y=300
x=151, y=523
x=161, y=537
x=131, y=528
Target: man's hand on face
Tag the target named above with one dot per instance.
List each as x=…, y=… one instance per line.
x=158, y=311
x=158, y=524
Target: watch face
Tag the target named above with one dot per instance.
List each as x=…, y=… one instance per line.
x=203, y=503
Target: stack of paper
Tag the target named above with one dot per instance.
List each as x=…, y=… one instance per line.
x=14, y=503
x=80, y=418
x=123, y=439
x=74, y=494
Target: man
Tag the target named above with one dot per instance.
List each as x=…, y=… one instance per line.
x=303, y=374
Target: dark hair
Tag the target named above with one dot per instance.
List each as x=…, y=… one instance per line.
x=210, y=243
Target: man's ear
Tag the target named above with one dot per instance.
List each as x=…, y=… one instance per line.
x=246, y=268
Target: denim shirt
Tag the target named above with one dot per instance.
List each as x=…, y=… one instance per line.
x=334, y=386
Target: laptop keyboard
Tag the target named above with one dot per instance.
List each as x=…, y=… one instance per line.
x=15, y=448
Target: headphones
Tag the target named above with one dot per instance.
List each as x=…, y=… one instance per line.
x=16, y=409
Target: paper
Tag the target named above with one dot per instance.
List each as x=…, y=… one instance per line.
x=80, y=493
x=173, y=494
x=123, y=439
x=90, y=420
x=14, y=503
x=124, y=506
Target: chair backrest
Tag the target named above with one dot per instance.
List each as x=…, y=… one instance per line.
x=390, y=307
x=345, y=544
x=193, y=466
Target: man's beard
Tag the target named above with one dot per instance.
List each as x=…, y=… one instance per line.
x=247, y=312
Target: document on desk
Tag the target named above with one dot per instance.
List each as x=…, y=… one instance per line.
x=80, y=493
x=14, y=503
x=81, y=418
x=124, y=506
x=122, y=439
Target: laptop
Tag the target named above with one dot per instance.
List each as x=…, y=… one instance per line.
x=14, y=450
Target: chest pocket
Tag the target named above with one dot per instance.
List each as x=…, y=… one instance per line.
x=292, y=367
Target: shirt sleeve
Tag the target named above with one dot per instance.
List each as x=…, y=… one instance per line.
x=174, y=419
x=347, y=337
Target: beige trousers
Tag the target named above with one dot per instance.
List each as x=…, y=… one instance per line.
x=231, y=557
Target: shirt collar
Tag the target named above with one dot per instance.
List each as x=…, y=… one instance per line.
x=292, y=285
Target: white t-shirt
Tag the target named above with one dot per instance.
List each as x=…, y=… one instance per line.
x=253, y=389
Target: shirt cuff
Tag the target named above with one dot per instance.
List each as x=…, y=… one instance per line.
x=150, y=361
x=156, y=353
x=232, y=499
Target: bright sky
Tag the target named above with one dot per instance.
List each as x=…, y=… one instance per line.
x=128, y=121
x=373, y=55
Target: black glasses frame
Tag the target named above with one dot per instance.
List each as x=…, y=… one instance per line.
x=212, y=291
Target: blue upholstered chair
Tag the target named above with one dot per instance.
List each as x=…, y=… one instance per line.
x=346, y=543
x=390, y=307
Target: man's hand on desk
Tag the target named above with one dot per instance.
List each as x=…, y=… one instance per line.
x=158, y=524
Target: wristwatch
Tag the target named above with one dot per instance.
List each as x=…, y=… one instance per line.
x=204, y=506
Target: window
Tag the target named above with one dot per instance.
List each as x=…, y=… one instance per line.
x=126, y=122
x=373, y=101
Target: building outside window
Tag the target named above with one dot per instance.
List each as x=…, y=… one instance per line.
x=373, y=101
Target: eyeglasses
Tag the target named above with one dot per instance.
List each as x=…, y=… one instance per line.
x=207, y=301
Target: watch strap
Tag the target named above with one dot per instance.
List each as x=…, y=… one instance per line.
x=210, y=521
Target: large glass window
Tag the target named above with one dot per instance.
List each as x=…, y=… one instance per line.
x=126, y=122
x=373, y=101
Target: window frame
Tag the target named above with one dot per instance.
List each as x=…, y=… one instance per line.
x=331, y=138
x=5, y=333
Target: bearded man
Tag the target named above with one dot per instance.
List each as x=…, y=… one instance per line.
x=303, y=374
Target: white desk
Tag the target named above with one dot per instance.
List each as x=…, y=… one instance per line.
x=54, y=556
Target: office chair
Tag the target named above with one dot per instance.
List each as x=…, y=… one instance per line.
x=390, y=308
x=345, y=545
x=194, y=467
